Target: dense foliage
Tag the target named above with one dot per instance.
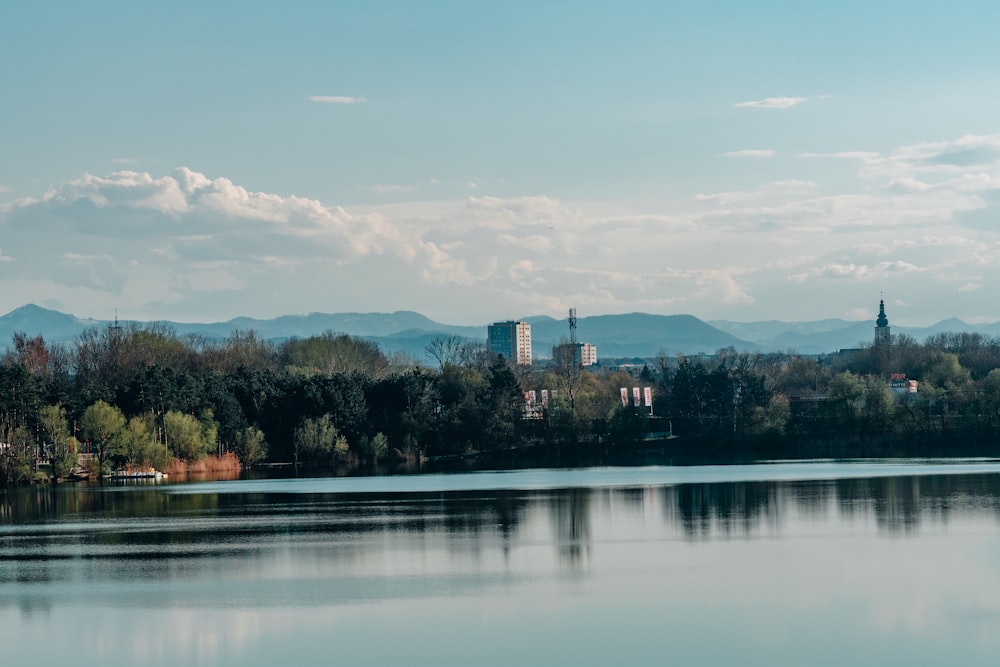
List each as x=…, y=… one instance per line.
x=142, y=396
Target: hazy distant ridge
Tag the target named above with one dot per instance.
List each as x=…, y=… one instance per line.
x=625, y=335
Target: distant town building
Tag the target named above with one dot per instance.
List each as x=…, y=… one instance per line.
x=581, y=354
x=882, y=336
x=512, y=340
x=900, y=384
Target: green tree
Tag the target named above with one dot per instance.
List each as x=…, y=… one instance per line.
x=878, y=406
x=17, y=457
x=186, y=436
x=375, y=449
x=318, y=442
x=139, y=443
x=103, y=425
x=380, y=447
x=802, y=377
x=627, y=425
x=944, y=371
x=501, y=406
x=19, y=395
x=845, y=398
x=773, y=418
x=210, y=432
x=183, y=433
x=249, y=446
x=460, y=418
x=989, y=389
x=330, y=354
x=699, y=398
x=54, y=426
x=244, y=349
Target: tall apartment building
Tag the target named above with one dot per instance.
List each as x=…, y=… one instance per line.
x=581, y=354
x=512, y=340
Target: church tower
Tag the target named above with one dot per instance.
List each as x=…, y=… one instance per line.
x=881, y=325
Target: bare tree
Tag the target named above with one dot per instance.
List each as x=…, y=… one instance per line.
x=445, y=349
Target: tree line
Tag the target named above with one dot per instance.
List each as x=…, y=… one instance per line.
x=141, y=395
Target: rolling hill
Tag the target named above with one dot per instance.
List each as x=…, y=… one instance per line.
x=629, y=335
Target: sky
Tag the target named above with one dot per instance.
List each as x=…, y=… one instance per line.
x=482, y=161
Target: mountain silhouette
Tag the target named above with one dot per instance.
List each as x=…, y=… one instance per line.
x=629, y=335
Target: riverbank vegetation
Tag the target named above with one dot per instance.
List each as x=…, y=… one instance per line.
x=140, y=396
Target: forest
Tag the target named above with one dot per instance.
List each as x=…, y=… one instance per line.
x=140, y=396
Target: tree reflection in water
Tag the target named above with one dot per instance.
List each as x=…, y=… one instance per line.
x=570, y=512
x=898, y=504
x=703, y=511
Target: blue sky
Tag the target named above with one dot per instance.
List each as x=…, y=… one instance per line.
x=478, y=161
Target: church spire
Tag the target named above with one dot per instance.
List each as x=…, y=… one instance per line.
x=881, y=324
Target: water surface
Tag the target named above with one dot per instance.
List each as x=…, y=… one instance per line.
x=818, y=563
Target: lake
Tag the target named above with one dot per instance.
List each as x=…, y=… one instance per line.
x=814, y=563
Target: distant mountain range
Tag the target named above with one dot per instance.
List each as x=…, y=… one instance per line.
x=631, y=335
x=823, y=336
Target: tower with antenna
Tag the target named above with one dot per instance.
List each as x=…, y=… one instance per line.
x=115, y=331
x=574, y=353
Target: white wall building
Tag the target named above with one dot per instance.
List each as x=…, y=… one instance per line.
x=512, y=340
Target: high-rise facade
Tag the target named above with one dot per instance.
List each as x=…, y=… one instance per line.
x=512, y=340
x=579, y=354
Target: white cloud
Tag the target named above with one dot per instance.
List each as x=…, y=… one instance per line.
x=170, y=244
x=444, y=269
x=773, y=103
x=973, y=161
x=861, y=272
x=967, y=165
x=336, y=99
x=124, y=160
x=763, y=153
x=203, y=231
x=908, y=184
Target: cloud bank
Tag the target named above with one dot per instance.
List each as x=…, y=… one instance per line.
x=920, y=220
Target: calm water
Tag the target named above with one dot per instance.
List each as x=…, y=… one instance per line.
x=797, y=563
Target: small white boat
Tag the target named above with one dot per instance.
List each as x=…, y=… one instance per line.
x=138, y=474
